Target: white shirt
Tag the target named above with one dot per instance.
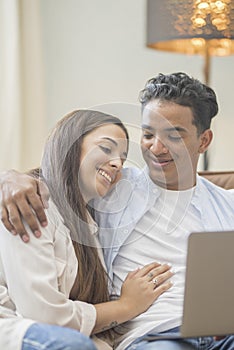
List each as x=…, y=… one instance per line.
x=119, y=217
x=161, y=235
x=36, y=279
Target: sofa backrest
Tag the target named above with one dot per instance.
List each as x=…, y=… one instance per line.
x=223, y=179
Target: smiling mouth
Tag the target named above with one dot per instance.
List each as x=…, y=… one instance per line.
x=161, y=162
x=105, y=175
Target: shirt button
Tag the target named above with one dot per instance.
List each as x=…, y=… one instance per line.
x=125, y=231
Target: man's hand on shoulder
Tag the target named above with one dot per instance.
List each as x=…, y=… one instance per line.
x=22, y=196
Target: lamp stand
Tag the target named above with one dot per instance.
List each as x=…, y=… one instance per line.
x=207, y=80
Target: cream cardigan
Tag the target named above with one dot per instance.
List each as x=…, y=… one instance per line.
x=35, y=283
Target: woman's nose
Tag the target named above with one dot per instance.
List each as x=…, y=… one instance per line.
x=116, y=162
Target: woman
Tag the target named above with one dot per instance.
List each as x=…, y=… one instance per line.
x=61, y=279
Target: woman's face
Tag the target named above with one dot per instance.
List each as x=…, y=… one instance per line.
x=103, y=153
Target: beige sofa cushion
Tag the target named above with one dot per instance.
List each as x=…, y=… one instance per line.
x=223, y=179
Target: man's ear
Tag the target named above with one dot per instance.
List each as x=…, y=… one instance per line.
x=206, y=138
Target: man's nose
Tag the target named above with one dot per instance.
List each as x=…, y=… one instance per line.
x=158, y=147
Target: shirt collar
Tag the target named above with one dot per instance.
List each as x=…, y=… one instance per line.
x=154, y=188
x=93, y=227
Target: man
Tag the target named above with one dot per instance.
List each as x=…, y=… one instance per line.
x=151, y=212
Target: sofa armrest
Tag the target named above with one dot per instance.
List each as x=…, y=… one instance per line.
x=223, y=179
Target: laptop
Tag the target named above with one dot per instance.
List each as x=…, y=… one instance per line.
x=209, y=285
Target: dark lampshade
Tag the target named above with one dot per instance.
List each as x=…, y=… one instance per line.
x=204, y=27
x=192, y=26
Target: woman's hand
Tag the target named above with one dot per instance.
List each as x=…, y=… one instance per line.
x=143, y=286
x=22, y=196
x=140, y=289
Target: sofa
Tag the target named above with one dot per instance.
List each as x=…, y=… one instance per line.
x=223, y=179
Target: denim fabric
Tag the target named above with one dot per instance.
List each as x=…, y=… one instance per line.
x=49, y=337
x=148, y=342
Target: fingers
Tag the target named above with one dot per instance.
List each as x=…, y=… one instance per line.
x=5, y=220
x=162, y=288
x=160, y=276
x=29, y=207
x=20, y=196
x=15, y=219
x=35, y=201
x=154, y=273
x=147, y=269
x=44, y=194
x=26, y=212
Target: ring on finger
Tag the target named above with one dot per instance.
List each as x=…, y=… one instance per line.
x=150, y=275
x=155, y=281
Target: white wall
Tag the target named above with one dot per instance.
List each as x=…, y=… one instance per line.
x=95, y=54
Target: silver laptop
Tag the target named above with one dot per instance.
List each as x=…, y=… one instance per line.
x=209, y=285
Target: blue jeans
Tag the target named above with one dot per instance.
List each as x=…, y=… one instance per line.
x=49, y=337
x=147, y=342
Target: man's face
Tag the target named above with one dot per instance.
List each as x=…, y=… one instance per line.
x=171, y=145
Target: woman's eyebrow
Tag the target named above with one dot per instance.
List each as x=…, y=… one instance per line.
x=109, y=139
x=125, y=154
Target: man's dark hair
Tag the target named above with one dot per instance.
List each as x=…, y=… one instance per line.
x=185, y=91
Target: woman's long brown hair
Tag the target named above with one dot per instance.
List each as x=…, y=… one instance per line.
x=60, y=169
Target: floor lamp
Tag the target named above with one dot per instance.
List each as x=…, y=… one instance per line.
x=204, y=27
